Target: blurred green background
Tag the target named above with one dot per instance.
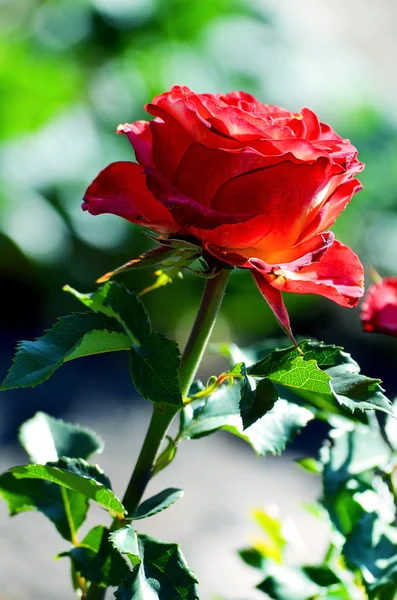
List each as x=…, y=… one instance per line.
x=72, y=70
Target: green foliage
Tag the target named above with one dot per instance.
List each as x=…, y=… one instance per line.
x=157, y=503
x=154, y=368
x=71, y=337
x=254, y=404
x=119, y=322
x=324, y=378
x=47, y=439
x=159, y=570
x=64, y=507
x=96, y=560
x=77, y=475
x=116, y=301
x=268, y=435
x=359, y=505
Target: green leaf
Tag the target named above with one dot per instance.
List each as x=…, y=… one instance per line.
x=46, y=439
x=97, y=561
x=348, y=479
x=116, y=301
x=272, y=528
x=322, y=575
x=269, y=435
x=352, y=390
x=162, y=572
x=272, y=433
x=71, y=337
x=296, y=373
x=157, y=503
x=154, y=256
x=254, y=404
x=370, y=547
x=288, y=583
x=166, y=456
x=357, y=392
x=154, y=368
x=50, y=500
x=77, y=475
x=252, y=557
x=125, y=541
x=310, y=465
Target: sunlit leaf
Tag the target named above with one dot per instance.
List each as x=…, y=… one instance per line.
x=77, y=475
x=46, y=439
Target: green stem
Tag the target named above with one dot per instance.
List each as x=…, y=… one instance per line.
x=202, y=328
x=161, y=419
x=163, y=416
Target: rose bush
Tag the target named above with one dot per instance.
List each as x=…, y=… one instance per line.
x=379, y=309
x=258, y=186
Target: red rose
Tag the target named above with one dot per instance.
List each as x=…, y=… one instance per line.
x=257, y=185
x=379, y=309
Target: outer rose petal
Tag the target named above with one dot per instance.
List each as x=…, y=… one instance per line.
x=331, y=210
x=379, y=309
x=275, y=300
x=338, y=275
x=120, y=189
x=140, y=136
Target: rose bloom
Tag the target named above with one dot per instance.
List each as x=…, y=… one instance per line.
x=379, y=309
x=256, y=185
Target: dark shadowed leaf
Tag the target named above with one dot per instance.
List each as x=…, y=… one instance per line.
x=96, y=560
x=161, y=573
x=370, y=547
x=71, y=337
x=157, y=503
x=347, y=473
x=154, y=368
x=288, y=583
x=254, y=404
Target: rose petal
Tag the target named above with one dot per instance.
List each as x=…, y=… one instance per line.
x=313, y=130
x=227, y=238
x=275, y=300
x=338, y=275
x=379, y=309
x=140, y=136
x=216, y=167
x=288, y=194
x=120, y=189
x=294, y=258
x=332, y=208
x=185, y=211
